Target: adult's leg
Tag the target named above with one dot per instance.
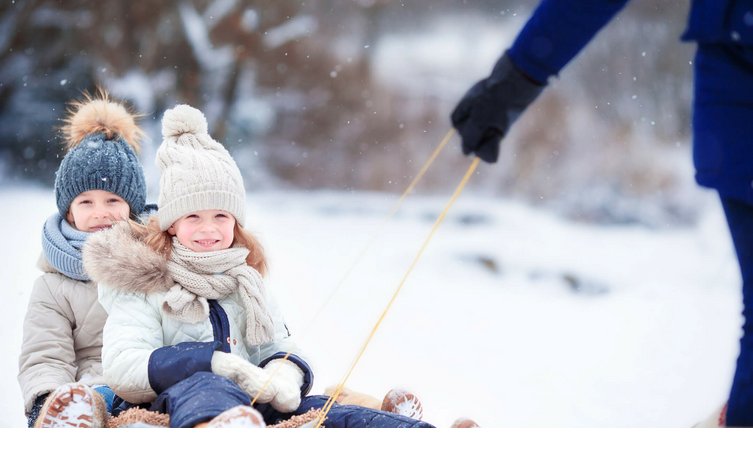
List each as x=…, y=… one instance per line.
x=740, y=220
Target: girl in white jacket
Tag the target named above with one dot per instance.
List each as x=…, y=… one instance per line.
x=190, y=330
x=99, y=182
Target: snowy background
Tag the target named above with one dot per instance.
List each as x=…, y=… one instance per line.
x=513, y=317
x=349, y=95
x=584, y=280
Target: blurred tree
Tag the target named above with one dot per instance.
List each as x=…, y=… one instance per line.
x=293, y=90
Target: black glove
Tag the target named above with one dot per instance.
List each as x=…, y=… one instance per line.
x=491, y=106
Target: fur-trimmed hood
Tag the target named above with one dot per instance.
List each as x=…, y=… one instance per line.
x=118, y=258
x=44, y=265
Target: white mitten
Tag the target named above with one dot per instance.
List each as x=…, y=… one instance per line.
x=249, y=377
x=288, y=379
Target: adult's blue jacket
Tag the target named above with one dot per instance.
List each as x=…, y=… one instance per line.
x=723, y=91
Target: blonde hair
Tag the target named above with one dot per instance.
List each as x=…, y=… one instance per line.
x=162, y=242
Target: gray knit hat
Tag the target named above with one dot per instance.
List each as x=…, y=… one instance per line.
x=197, y=172
x=101, y=137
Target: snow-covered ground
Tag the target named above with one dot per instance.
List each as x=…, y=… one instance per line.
x=513, y=316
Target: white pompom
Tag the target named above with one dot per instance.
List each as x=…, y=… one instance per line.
x=183, y=119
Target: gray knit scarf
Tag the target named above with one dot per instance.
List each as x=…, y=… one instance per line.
x=61, y=245
x=214, y=275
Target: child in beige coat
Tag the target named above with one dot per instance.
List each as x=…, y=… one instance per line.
x=100, y=181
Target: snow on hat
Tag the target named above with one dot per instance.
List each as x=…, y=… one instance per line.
x=102, y=140
x=197, y=172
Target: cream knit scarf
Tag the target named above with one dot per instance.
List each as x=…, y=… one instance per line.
x=214, y=275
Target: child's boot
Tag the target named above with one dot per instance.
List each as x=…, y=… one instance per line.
x=464, y=422
x=405, y=403
x=240, y=416
x=73, y=405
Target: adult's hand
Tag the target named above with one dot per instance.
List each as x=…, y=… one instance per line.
x=489, y=108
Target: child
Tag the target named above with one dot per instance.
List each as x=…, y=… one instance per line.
x=99, y=182
x=190, y=329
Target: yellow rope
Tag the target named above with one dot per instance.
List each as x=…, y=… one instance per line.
x=363, y=252
x=423, y=170
x=378, y=231
x=328, y=405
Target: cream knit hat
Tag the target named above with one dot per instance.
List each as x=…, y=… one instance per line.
x=197, y=172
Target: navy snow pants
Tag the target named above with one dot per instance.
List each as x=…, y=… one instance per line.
x=204, y=395
x=740, y=220
x=345, y=416
x=723, y=157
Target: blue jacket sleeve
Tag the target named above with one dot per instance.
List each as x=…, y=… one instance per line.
x=308, y=374
x=557, y=31
x=174, y=363
x=720, y=22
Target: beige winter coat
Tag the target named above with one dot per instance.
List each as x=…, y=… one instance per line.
x=62, y=335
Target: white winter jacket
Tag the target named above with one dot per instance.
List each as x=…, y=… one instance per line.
x=137, y=325
x=132, y=284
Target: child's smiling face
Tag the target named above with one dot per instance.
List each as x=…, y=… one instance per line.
x=96, y=210
x=205, y=231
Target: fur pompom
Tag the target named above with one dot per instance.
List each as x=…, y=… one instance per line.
x=99, y=114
